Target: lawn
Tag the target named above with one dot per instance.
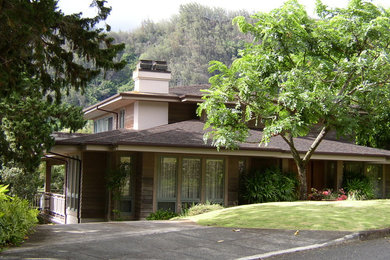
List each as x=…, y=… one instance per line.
x=310, y=215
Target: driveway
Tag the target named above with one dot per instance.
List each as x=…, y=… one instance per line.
x=159, y=240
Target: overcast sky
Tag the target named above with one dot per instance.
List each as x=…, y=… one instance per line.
x=128, y=14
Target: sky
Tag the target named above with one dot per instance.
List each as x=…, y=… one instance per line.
x=126, y=15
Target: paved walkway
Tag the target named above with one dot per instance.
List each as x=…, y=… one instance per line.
x=159, y=240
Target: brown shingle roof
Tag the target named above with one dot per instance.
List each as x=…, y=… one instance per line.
x=193, y=90
x=190, y=134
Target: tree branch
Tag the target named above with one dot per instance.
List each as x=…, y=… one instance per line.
x=315, y=144
x=289, y=140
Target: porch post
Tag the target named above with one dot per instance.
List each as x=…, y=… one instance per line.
x=339, y=177
x=46, y=199
x=48, y=177
x=384, y=166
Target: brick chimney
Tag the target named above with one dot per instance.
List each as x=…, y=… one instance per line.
x=152, y=77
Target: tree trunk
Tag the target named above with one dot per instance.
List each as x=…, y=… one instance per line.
x=302, y=182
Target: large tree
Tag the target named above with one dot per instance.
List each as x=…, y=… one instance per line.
x=44, y=52
x=303, y=75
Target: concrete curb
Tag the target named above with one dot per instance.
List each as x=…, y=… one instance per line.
x=361, y=235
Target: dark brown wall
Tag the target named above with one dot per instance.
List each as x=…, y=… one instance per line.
x=262, y=163
x=318, y=175
x=233, y=181
x=93, y=185
x=178, y=112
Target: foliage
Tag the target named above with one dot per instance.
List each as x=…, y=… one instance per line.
x=360, y=189
x=3, y=193
x=268, y=186
x=16, y=218
x=303, y=75
x=358, y=186
x=161, y=215
x=46, y=54
x=188, y=41
x=201, y=208
x=22, y=183
x=327, y=194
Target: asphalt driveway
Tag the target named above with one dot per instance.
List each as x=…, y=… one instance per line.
x=159, y=240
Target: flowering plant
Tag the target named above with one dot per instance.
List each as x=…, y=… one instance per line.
x=327, y=194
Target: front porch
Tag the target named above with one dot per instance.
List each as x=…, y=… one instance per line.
x=52, y=206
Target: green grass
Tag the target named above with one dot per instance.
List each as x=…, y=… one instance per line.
x=304, y=215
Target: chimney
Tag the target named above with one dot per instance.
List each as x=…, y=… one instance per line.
x=152, y=77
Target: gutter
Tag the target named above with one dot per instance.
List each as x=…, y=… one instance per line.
x=113, y=112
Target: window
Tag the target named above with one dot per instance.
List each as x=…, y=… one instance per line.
x=102, y=125
x=192, y=171
x=167, y=178
x=122, y=118
x=191, y=181
x=72, y=187
x=354, y=167
x=375, y=174
x=126, y=199
x=214, y=180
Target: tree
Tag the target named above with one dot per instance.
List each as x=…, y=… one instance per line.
x=303, y=75
x=42, y=53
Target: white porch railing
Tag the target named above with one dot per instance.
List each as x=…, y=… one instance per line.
x=51, y=203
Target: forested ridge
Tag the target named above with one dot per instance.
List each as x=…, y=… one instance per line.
x=188, y=41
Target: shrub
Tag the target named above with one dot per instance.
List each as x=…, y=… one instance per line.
x=201, y=208
x=17, y=218
x=161, y=215
x=358, y=186
x=22, y=183
x=268, y=186
x=362, y=189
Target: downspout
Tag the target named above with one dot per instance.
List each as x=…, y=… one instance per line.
x=113, y=112
x=79, y=190
x=65, y=181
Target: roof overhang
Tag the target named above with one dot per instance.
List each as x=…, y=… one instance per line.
x=213, y=151
x=123, y=99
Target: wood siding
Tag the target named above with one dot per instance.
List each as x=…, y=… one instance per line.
x=233, y=181
x=94, y=185
x=178, y=112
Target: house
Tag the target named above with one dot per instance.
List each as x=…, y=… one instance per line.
x=156, y=129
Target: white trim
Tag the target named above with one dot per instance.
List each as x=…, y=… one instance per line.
x=211, y=151
x=65, y=149
x=109, y=102
x=93, y=147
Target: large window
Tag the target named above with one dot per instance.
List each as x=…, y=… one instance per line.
x=375, y=174
x=191, y=181
x=126, y=199
x=102, y=125
x=167, y=183
x=73, y=183
x=214, y=180
x=184, y=176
